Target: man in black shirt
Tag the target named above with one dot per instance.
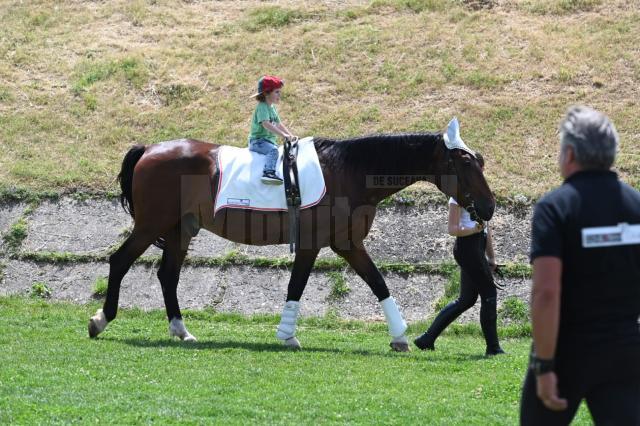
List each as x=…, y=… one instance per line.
x=585, y=303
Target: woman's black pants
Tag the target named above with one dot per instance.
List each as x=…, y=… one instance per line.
x=475, y=279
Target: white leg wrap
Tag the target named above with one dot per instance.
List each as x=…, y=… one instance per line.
x=177, y=329
x=287, y=328
x=99, y=321
x=397, y=325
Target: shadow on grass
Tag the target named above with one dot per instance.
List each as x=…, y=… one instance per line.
x=213, y=345
x=275, y=347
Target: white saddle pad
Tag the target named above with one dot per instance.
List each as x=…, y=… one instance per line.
x=240, y=186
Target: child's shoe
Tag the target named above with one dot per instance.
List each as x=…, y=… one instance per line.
x=270, y=178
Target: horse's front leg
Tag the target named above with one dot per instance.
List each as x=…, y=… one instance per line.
x=359, y=260
x=302, y=266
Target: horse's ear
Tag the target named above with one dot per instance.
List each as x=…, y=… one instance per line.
x=453, y=131
x=452, y=139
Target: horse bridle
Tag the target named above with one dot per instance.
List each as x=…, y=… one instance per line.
x=471, y=208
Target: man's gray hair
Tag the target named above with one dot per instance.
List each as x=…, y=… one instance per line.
x=592, y=136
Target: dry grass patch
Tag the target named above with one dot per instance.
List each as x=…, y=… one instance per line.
x=558, y=7
x=83, y=81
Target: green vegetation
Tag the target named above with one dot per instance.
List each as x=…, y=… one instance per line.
x=514, y=310
x=415, y=6
x=100, y=287
x=451, y=290
x=237, y=372
x=14, y=194
x=41, y=290
x=235, y=258
x=339, y=286
x=178, y=94
x=5, y=94
x=560, y=6
x=88, y=73
x=515, y=270
x=147, y=71
x=15, y=235
x=272, y=17
x=61, y=257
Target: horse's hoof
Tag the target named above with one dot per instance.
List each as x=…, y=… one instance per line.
x=400, y=347
x=184, y=337
x=97, y=324
x=292, y=342
x=400, y=344
x=189, y=338
x=93, y=329
x=177, y=329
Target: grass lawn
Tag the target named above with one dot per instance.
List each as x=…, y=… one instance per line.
x=82, y=81
x=53, y=373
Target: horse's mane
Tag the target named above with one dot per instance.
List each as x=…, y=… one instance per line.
x=386, y=153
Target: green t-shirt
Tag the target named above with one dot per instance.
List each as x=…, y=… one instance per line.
x=264, y=112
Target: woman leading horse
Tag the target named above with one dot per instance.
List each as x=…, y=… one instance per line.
x=169, y=190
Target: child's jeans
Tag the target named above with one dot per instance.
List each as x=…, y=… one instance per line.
x=265, y=147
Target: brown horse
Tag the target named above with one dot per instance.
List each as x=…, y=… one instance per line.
x=169, y=190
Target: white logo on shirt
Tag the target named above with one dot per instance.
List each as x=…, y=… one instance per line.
x=608, y=236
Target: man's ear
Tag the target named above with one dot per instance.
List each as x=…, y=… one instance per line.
x=570, y=154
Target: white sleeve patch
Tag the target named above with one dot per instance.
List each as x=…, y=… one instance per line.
x=607, y=236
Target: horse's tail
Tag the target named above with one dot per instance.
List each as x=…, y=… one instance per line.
x=126, y=177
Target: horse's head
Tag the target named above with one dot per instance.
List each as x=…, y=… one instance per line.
x=463, y=178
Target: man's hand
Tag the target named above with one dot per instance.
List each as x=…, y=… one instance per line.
x=547, y=388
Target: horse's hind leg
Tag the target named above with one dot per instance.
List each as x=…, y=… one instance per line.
x=119, y=264
x=359, y=260
x=175, y=250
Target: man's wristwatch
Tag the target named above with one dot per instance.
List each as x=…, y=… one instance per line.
x=540, y=366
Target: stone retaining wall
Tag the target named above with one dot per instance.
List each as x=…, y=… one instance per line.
x=93, y=227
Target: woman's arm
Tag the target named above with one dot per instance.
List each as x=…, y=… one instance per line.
x=455, y=228
x=491, y=255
